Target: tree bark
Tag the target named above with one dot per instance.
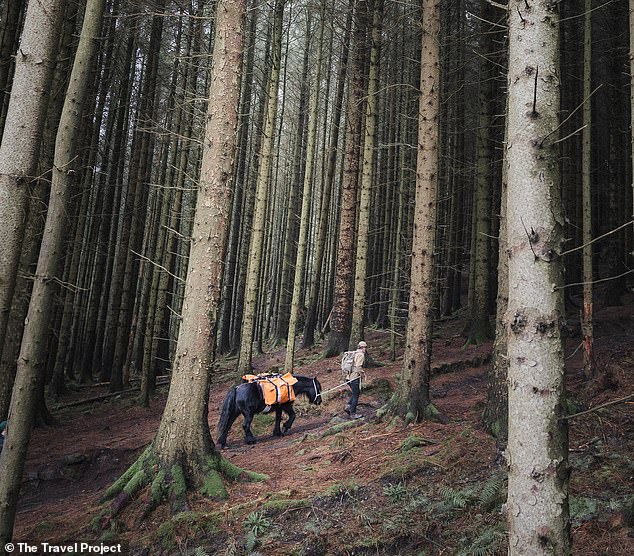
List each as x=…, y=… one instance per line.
x=367, y=177
x=10, y=16
x=411, y=399
x=339, y=336
x=183, y=450
x=262, y=194
x=30, y=369
x=537, y=445
x=20, y=146
x=307, y=199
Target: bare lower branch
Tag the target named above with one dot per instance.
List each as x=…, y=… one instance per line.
x=607, y=404
x=597, y=238
x=157, y=265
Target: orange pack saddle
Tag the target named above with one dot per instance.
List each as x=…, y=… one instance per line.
x=275, y=388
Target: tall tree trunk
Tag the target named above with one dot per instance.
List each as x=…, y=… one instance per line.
x=36, y=216
x=96, y=317
x=537, y=441
x=586, y=189
x=339, y=336
x=395, y=294
x=307, y=199
x=367, y=177
x=631, y=28
x=135, y=219
x=479, y=329
x=262, y=194
x=317, y=282
x=11, y=14
x=29, y=376
x=183, y=450
x=292, y=204
x=231, y=268
x=495, y=416
x=411, y=399
x=20, y=146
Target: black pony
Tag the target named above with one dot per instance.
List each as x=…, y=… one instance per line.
x=247, y=399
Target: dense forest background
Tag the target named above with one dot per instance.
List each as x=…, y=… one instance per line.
x=115, y=314
x=323, y=188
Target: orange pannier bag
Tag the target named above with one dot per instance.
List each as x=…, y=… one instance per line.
x=275, y=388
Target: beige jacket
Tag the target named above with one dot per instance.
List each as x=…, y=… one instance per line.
x=357, y=364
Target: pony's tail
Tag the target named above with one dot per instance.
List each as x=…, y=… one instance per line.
x=227, y=416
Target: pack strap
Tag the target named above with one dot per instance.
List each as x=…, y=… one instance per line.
x=277, y=387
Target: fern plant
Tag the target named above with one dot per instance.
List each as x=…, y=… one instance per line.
x=456, y=499
x=257, y=523
x=489, y=542
x=492, y=494
x=396, y=493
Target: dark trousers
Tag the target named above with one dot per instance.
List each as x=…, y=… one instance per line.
x=355, y=387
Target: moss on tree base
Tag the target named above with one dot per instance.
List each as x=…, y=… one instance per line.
x=172, y=482
x=394, y=410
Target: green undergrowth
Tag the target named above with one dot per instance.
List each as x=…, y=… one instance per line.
x=188, y=525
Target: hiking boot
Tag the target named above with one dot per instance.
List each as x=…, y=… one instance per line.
x=347, y=409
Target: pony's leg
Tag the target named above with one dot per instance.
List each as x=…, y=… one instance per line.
x=278, y=419
x=228, y=415
x=222, y=439
x=246, y=426
x=288, y=409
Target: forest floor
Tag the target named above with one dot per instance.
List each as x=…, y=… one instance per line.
x=341, y=487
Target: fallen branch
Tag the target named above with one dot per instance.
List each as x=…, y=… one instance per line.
x=103, y=396
x=613, y=402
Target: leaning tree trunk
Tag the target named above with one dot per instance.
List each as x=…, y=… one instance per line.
x=20, y=146
x=32, y=359
x=537, y=436
x=411, y=399
x=10, y=17
x=183, y=449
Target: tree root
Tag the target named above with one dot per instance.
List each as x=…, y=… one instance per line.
x=392, y=410
x=172, y=482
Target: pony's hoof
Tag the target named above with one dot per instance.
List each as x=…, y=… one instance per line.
x=250, y=441
x=279, y=433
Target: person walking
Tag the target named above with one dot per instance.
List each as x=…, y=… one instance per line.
x=354, y=380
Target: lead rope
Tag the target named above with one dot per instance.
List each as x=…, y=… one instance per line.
x=336, y=387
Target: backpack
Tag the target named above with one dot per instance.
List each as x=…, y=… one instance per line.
x=346, y=363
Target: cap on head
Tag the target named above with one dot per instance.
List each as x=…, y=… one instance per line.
x=362, y=344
